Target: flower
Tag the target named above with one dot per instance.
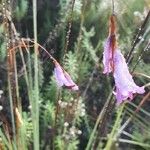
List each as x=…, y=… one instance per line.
x=114, y=61
x=125, y=86
x=63, y=78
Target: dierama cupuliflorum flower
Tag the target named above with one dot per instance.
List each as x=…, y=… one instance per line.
x=114, y=62
x=63, y=78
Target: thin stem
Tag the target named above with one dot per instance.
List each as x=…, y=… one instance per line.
x=12, y=110
x=16, y=80
x=140, y=57
x=113, y=7
x=33, y=41
x=132, y=116
x=140, y=32
x=5, y=140
x=69, y=27
x=79, y=38
x=134, y=143
x=11, y=84
x=117, y=122
x=24, y=65
x=35, y=106
x=98, y=121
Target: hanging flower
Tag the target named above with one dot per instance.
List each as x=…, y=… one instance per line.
x=125, y=86
x=114, y=62
x=63, y=78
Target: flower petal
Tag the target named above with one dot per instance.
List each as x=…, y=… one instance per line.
x=63, y=78
x=107, y=56
x=125, y=86
x=70, y=82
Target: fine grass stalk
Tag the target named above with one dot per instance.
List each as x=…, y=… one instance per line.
x=5, y=140
x=98, y=121
x=115, y=127
x=12, y=112
x=35, y=102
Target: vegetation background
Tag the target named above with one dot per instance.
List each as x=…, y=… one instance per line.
x=34, y=112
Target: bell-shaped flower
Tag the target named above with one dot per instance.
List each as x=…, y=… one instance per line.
x=114, y=61
x=125, y=86
x=63, y=78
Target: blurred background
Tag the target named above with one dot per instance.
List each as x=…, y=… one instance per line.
x=73, y=32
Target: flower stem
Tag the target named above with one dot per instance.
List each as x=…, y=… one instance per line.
x=98, y=121
x=117, y=122
x=35, y=102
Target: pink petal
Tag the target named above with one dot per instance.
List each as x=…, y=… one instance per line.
x=59, y=76
x=63, y=78
x=70, y=81
x=125, y=86
x=107, y=56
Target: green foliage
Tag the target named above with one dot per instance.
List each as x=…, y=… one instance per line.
x=65, y=143
x=71, y=64
x=59, y=143
x=21, y=9
x=41, y=77
x=47, y=114
x=73, y=145
x=80, y=112
x=69, y=120
x=136, y=136
x=140, y=127
x=1, y=29
x=6, y=143
x=87, y=45
x=27, y=128
x=143, y=68
x=3, y=51
x=2, y=43
x=51, y=90
x=77, y=7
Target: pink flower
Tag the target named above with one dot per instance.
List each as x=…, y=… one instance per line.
x=125, y=86
x=114, y=61
x=63, y=78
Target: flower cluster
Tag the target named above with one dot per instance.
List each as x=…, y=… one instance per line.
x=71, y=132
x=80, y=108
